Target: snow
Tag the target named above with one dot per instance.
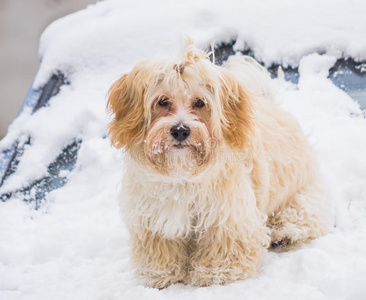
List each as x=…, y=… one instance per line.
x=76, y=245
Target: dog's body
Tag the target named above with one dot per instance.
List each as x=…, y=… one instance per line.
x=216, y=171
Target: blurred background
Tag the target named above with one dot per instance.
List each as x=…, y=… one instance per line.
x=21, y=25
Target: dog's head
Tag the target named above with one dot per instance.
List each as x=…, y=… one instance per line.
x=174, y=117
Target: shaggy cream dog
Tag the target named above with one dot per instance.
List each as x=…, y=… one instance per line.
x=216, y=172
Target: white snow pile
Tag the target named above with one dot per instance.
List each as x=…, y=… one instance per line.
x=75, y=246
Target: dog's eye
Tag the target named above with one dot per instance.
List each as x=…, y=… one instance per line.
x=163, y=102
x=199, y=103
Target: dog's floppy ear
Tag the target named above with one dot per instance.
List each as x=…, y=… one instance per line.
x=237, y=110
x=126, y=102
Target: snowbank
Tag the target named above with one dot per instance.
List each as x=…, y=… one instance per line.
x=75, y=246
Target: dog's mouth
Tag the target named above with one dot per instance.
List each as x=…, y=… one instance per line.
x=180, y=146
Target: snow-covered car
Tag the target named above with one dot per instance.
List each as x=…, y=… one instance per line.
x=61, y=235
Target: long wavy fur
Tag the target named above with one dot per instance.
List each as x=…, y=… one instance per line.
x=246, y=179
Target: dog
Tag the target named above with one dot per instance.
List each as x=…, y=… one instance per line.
x=215, y=172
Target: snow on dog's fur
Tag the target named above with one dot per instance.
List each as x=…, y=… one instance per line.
x=217, y=172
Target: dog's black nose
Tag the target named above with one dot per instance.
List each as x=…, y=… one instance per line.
x=180, y=132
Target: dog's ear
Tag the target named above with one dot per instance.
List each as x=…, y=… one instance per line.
x=237, y=124
x=125, y=100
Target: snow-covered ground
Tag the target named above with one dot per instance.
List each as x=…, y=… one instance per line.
x=75, y=245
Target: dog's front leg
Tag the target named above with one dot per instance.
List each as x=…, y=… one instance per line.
x=159, y=261
x=227, y=252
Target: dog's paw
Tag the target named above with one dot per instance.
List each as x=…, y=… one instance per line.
x=205, y=278
x=160, y=282
x=286, y=238
x=285, y=244
x=281, y=243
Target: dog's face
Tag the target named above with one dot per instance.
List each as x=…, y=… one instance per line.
x=179, y=133
x=174, y=119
